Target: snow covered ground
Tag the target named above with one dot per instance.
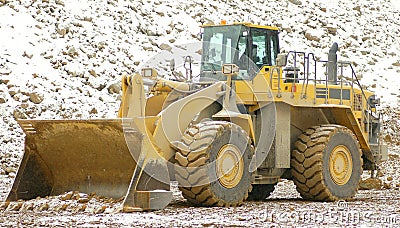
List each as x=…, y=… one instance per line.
x=64, y=59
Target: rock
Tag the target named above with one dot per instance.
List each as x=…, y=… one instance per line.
x=29, y=56
x=147, y=48
x=2, y=99
x=6, y=139
x=4, y=205
x=67, y=196
x=397, y=64
x=19, y=115
x=27, y=207
x=357, y=8
x=100, y=209
x=128, y=209
x=88, y=19
x=9, y=169
x=80, y=208
x=36, y=98
x=296, y=2
x=332, y=30
x=93, y=73
x=371, y=183
x=15, y=206
x=310, y=37
x=387, y=185
x=83, y=200
x=71, y=73
x=4, y=80
x=61, y=207
x=62, y=31
x=44, y=207
x=101, y=46
x=165, y=47
x=59, y=2
x=114, y=88
x=72, y=52
x=17, y=97
x=100, y=88
x=13, y=91
x=93, y=111
x=388, y=138
x=365, y=38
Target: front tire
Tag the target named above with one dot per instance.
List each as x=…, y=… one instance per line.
x=213, y=160
x=326, y=163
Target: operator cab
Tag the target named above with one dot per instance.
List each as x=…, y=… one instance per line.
x=248, y=46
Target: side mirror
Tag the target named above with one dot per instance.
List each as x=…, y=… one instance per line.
x=230, y=69
x=281, y=60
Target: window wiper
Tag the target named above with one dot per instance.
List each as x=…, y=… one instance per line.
x=213, y=71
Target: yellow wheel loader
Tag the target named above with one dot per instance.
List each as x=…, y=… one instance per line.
x=251, y=117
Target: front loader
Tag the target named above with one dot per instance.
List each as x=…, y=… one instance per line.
x=252, y=117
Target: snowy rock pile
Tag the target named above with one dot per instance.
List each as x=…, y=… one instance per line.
x=70, y=201
x=391, y=126
x=64, y=59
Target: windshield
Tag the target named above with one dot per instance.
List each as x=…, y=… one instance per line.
x=248, y=47
x=224, y=45
x=220, y=45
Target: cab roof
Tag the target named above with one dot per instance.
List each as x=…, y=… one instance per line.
x=247, y=24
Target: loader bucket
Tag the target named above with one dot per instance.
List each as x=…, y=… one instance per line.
x=89, y=156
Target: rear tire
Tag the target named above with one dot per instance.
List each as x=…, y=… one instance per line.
x=261, y=192
x=204, y=167
x=326, y=163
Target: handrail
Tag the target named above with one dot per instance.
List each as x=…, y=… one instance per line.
x=310, y=59
x=271, y=73
x=307, y=73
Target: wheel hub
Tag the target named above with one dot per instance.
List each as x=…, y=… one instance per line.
x=229, y=166
x=340, y=165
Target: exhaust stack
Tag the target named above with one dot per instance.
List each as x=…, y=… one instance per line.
x=332, y=64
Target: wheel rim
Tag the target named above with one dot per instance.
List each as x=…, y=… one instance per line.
x=229, y=166
x=340, y=165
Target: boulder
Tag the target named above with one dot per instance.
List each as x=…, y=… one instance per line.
x=371, y=183
x=2, y=99
x=36, y=98
x=296, y=2
x=311, y=37
x=114, y=88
